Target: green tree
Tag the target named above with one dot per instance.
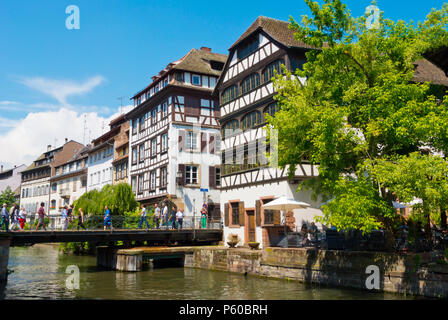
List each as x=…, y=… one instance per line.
x=7, y=196
x=119, y=198
x=359, y=105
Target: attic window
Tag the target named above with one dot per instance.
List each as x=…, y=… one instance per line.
x=196, y=80
x=248, y=47
x=216, y=65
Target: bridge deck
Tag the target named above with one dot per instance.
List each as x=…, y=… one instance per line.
x=154, y=236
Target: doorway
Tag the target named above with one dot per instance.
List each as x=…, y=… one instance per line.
x=250, y=225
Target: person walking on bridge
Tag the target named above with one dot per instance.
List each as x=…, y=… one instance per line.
x=64, y=218
x=107, y=218
x=143, y=218
x=81, y=219
x=173, y=218
x=22, y=218
x=157, y=215
x=180, y=218
x=165, y=215
x=5, y=217
x=42, y=215
x=14, y=214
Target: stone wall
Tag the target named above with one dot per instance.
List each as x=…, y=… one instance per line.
x=412, y=273
x=4, y=256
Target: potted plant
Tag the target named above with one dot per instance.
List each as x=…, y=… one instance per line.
x=233, y=240
x=254, y=245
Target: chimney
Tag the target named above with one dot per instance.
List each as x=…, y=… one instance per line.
x=206, y=49
x=1, y=169
x=49, y=147
x=66, y=140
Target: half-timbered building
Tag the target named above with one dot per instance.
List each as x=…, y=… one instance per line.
x=35, y=187
x=246, y=95
x=174, y=135
x=107, y=155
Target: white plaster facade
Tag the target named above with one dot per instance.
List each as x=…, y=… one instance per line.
x=100, y=168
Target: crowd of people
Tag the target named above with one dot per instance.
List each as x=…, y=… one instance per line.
x=163, y=218
x=15, y=218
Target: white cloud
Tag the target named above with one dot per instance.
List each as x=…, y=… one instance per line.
x=7, y=103
x=29, y=137
x=61, y=89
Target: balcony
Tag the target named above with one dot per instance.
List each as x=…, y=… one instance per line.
x=65, y=192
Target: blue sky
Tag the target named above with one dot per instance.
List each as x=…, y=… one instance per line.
x=45, y=68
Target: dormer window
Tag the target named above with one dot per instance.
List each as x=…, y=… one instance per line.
x=248, y=47
x=196, y=80
x=216, y=65
x=179, y=76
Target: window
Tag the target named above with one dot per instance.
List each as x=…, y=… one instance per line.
x=134, y=126
x=83, y=182
x=251, y=120
x=271, y=109
x=164, y=142
x=163, y=177
x=153, y=180
x=218, y=176
x=250, y=83
x=192, y=143
x=141, y=151
x=140, y=183
x=268, y=214
x=268, y=72
x=235, y=213
x=179, y=76
x=134, y=183
x=191, y=174
x=229, y=128
x=248, y=47
x=154, y=147
x=165, y=109
x=154, y=115
x=229, y=94
x=134, y=155
x=142, y=123
x=196, y=79
x=296, y=63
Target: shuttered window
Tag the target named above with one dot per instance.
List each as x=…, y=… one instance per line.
x=235, y=213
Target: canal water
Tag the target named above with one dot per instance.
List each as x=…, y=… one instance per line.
x=40, y=273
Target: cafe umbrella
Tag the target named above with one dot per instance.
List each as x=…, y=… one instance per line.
x=285, y=204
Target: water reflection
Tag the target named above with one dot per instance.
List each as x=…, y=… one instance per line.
x=39, y=273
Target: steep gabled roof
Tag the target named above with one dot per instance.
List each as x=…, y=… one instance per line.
x=195, y=60
x=426, y=71
x=439, y=57
x=277, y=29
x=199, y=61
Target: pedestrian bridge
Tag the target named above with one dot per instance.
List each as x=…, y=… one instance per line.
x=153, y=236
